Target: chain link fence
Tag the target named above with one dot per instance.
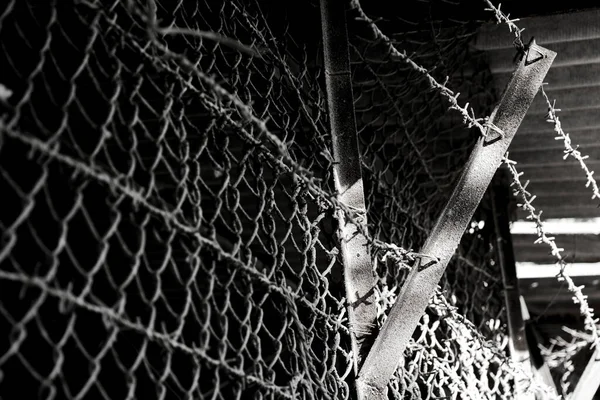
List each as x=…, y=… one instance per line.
x=157, y=243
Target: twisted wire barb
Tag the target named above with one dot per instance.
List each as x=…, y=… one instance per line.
x=578, y=297
x=569, y=149
x=561, y=354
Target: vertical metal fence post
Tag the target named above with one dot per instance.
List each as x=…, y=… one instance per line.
x=519, y=350
x=359, y=276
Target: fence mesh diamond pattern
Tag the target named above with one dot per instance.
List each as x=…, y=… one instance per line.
x=157, y=243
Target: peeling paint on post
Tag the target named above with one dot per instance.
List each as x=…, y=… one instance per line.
x=359, y=277
x=388, y=349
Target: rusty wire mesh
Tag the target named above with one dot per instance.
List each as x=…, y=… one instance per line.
x=156, y=244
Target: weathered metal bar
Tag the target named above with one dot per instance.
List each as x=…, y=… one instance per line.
x=590, y=379
x=358, y=270
x=387, y=351
x=517, y=344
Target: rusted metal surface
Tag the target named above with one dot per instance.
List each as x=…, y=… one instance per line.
x=388, y=349
x=359, y=277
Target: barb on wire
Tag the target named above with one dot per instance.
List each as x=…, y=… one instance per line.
x=578, y=297
x=502, y=18
x=224, y=40
x=569, y=149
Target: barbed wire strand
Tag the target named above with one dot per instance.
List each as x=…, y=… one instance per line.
x=138, y=198
x=167, y=340
x=470, y=120
x=570, y=151
x=282, y=159
x=502, y=18
x=467, y=113
x=578, y=297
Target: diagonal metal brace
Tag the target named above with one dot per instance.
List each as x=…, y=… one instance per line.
x=387, y=351
x=590, y=379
